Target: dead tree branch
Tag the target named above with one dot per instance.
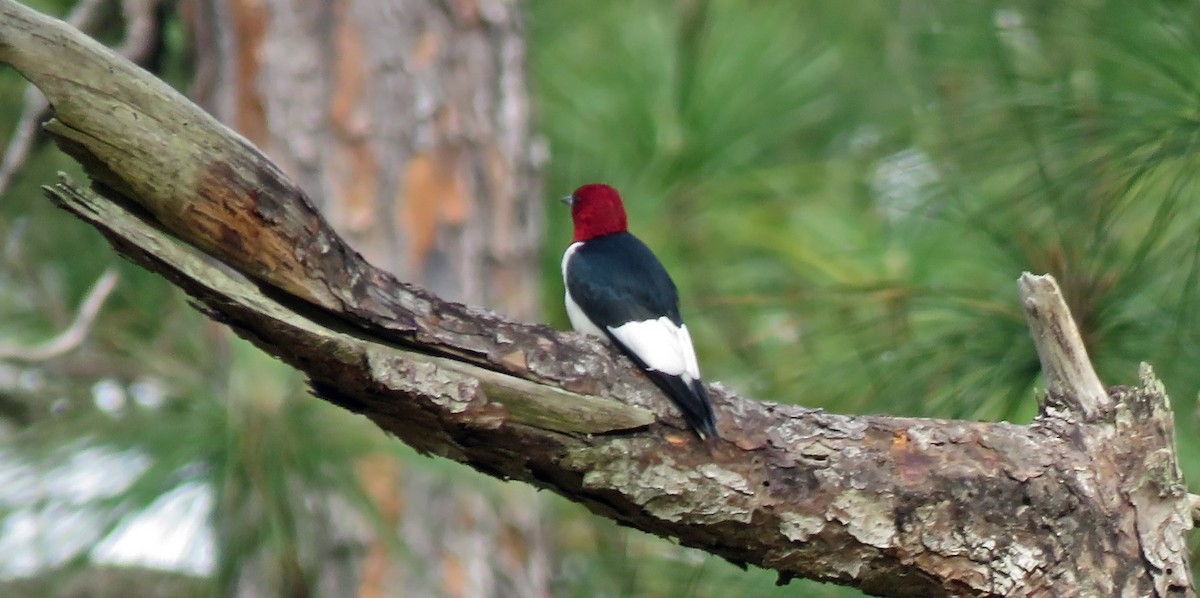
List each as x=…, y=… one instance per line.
x=73, y=335
x=1088, y=500
x=1072, y=386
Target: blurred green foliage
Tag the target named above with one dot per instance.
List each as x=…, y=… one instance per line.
x=844, y=192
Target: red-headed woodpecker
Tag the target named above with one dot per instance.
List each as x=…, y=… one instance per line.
x=617, y=290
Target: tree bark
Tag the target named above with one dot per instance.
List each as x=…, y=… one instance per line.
x=408, y=123
x=1087, y=500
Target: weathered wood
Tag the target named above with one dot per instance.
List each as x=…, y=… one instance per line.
x=1071, y=384
x=1069, y=505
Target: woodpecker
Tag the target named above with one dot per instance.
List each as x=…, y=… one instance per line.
x=617, y=290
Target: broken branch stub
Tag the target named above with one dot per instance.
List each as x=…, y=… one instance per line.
x=1071, y=382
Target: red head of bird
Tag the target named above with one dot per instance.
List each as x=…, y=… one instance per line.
x=596, y=210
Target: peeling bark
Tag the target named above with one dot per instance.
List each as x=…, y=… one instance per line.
x=1088, y=500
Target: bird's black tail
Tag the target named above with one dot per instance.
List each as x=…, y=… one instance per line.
x=692, y=400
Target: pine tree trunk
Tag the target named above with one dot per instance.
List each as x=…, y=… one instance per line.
x=409, y=124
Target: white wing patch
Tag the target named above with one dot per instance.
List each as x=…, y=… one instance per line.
x=661, y=345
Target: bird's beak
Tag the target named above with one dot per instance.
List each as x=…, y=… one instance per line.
x=569, y=200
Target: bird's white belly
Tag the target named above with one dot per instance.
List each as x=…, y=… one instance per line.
x=580, y=322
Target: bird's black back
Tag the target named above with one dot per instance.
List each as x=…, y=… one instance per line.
x=617, y=279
